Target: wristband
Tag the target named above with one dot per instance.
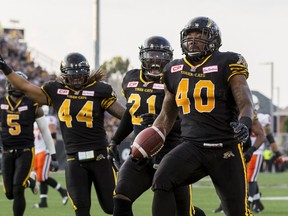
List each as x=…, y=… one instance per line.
x=53, y=157
x=6, y=69
x=277, y=154
x=247, y=121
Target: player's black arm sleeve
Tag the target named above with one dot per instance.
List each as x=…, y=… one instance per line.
x=124, y=129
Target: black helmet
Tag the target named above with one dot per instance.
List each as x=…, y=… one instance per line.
x=206, y=27
x=75, y=70
x=12, y=91
x=154, y=54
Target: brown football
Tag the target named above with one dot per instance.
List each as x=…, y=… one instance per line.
x=148, y=142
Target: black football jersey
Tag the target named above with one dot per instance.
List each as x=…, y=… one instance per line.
x=143, y=97
x=17, y=123
x=81, y=114
x=204, y=97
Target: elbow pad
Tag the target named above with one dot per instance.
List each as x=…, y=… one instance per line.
x=46, y=134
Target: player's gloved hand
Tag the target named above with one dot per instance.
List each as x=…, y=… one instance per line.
x=241, y=131
x=277, y=158
x=54, y=165
x=148, y=119
x=113, y=155
x=4, y=67
x=248, y=154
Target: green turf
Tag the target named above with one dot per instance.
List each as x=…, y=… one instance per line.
x=271, y=184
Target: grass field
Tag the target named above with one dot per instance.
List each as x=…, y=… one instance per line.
x=274, y=188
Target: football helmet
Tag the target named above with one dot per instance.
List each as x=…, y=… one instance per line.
x=75, y=70
x=12, y=91
x=45, y=109
x=154, y=54
x=210, y=38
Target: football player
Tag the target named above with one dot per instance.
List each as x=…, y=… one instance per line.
x=210, y=90
x=17, y=115
x=255, y=155
x=43, y=162
x=80, y=100
x=144, y=91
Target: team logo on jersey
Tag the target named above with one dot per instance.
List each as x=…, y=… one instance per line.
x=228, y=154
x=210, y=69
x=4, y=106
x=176, y=68
x=193, y=69
x=242, y=61
x=63, y=91
x=22, y=108
x=158, y=86
x=88, y=93
x=132, y=84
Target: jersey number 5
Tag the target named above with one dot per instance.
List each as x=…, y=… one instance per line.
x=14, y=127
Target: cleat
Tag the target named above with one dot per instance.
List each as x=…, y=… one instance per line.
x=40, y=205
x=218, y=210
x=257, y=206
x=33, y=183
x=64, y=196
x=65, y=200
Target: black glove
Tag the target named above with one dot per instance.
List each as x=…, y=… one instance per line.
x=54, y=165
x=277, y=158
x=241, y=131
x=248, y=154
x=148, y=119
x=113, y=155
x=4, y=67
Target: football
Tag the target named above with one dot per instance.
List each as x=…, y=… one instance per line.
x=148, y=142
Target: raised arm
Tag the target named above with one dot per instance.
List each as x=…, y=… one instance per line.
x=29, y=89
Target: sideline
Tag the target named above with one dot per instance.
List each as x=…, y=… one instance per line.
x=274, y=198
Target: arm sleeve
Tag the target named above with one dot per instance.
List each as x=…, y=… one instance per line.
x=124, y=129
x=45, y=131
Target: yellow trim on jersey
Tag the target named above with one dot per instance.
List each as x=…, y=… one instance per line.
x=191, y=207
x=73, y=205
x=106, y=103
x=114, y=175
x=192, y=66
x=49, y=102
x=247, y=211
x=142, y=79
x=238, y=69
x=10, y=104
x=24, y=184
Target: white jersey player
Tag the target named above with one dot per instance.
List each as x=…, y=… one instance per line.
x=42, y=162
x=255, y=163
